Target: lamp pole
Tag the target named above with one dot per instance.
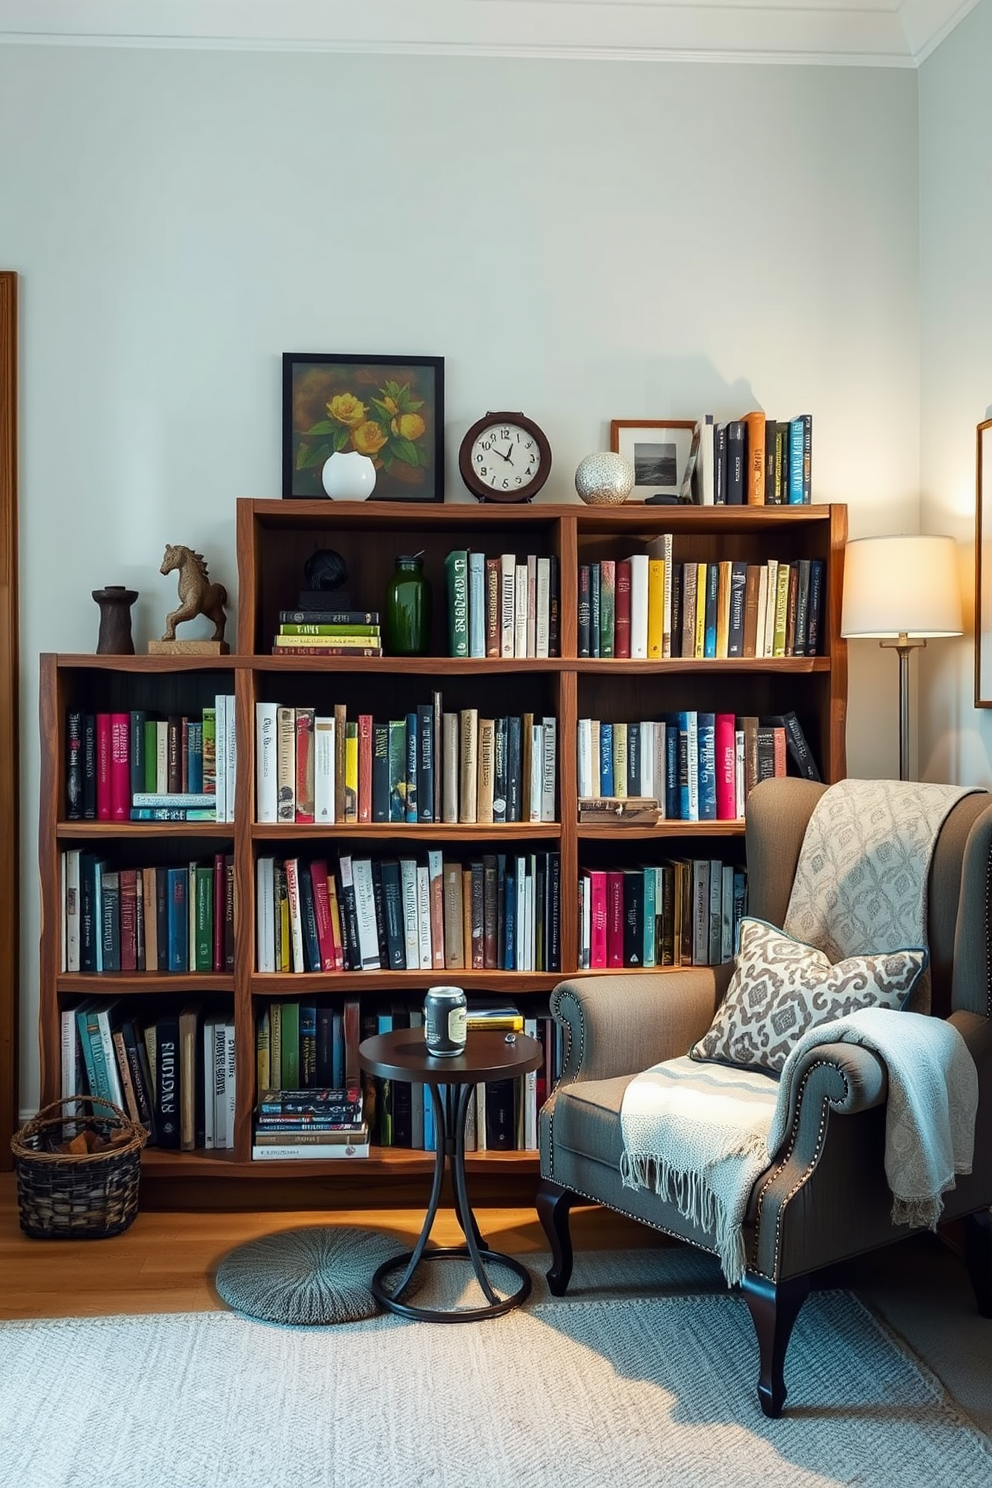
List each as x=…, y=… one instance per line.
x=904, y=647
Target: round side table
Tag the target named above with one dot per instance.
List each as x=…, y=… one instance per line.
x=402, y=1055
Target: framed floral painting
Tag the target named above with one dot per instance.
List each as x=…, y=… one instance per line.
x=388, y=407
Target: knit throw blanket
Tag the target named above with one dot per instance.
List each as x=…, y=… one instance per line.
x=701, y=1135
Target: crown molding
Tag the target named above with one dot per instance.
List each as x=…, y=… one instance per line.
x=821, y=32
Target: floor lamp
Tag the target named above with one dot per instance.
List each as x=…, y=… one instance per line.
x=901, y=591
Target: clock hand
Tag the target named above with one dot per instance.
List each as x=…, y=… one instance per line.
x=502, y=456
x=508, y=457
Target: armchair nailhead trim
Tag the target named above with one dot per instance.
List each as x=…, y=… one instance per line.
x=803, y=1178
x=557, y=999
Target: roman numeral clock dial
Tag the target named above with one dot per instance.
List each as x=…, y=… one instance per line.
x=504, y=457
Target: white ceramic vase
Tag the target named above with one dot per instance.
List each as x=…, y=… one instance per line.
x=348, y=476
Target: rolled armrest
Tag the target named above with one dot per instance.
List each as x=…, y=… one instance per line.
x=835, y=1077
x=620, y=1025
x=846, y=1077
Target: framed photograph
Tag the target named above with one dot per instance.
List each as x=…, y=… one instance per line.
x=388, y=407
x=983, y=566
x=661, y=452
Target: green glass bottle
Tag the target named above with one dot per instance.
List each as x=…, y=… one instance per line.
x=407, y=630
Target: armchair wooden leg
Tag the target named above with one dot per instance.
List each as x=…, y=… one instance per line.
x=978, y=1258
x=553, y=1203
x=774, y=1308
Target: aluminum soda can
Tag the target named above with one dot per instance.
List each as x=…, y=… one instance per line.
x=444, y=1021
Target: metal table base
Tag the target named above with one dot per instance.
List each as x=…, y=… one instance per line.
x=450, y=1112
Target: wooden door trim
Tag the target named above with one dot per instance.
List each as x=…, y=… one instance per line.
x=9, y=683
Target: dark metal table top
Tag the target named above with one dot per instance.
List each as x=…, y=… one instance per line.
x=402, y=1055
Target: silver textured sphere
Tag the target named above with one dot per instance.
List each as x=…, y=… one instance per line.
x=604, y=479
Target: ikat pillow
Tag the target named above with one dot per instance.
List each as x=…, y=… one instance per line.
x=781, y=987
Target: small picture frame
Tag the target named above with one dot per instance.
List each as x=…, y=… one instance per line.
x=983, y=566
x=388, y=407
x=661, y=454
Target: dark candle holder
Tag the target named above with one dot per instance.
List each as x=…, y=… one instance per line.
x=115, y=620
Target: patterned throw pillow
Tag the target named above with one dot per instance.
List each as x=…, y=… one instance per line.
x=781, y=987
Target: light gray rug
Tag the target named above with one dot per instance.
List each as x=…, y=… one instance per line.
x=605, y=1393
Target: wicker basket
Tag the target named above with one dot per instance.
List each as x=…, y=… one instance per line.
x=70, y=1196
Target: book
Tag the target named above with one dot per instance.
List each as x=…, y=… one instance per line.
x=335, y=644
x=328, y=617
x=167, y=1073
x=476, y=603
x=796, y=743
x=304, y=753
x=468, y=764
x=507, y=601
x=266, y=770
x=621, y=614
x=292, y=1151
x=736, y=483
x=456, y=576
x=754, y=458
x=318, y=628
x=323, y=769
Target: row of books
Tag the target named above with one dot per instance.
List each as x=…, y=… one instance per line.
x=427, y=766
x=699, y=766
x=682, y=912
x=647, y=606
x=502, y=605
x=328, y=633
x=308, y=1044
x=151, y=918
x=130, y=766
x=341, y=1121
x=750, y=461
x=174, y=1073
x=496, y=912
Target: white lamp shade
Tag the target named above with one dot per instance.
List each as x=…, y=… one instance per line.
x=901, y=586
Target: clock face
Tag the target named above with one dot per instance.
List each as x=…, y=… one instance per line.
x=506, y=460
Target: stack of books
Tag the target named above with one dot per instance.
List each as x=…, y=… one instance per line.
x=328, y=633
x=321, y=1125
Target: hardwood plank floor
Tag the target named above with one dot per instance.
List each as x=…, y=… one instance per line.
x=164, y=1262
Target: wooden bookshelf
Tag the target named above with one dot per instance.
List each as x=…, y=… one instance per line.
x=274, y=539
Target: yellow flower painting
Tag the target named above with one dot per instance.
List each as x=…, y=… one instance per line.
x=389, y=408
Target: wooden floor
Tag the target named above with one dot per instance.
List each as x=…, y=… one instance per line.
x=164, y=1262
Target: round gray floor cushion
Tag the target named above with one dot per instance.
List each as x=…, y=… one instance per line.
x=315, y=1275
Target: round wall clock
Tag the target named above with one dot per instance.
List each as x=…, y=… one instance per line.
x=504, y=457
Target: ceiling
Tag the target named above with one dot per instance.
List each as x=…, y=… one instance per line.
x=882, y=33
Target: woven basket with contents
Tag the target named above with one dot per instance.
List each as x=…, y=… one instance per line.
x=78, y=1165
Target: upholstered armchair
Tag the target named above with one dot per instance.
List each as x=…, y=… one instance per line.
x=824, y=1197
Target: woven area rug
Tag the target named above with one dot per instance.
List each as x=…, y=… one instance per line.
x=614, y=1392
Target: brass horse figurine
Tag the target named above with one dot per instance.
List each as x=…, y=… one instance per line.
x=197, y=596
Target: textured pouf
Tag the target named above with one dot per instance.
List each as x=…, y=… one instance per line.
x=311, y=1276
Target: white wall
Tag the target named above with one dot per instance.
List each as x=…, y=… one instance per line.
x=579, y=240
x=956, y=327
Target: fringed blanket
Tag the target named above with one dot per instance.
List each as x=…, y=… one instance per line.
x=701, y=1135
